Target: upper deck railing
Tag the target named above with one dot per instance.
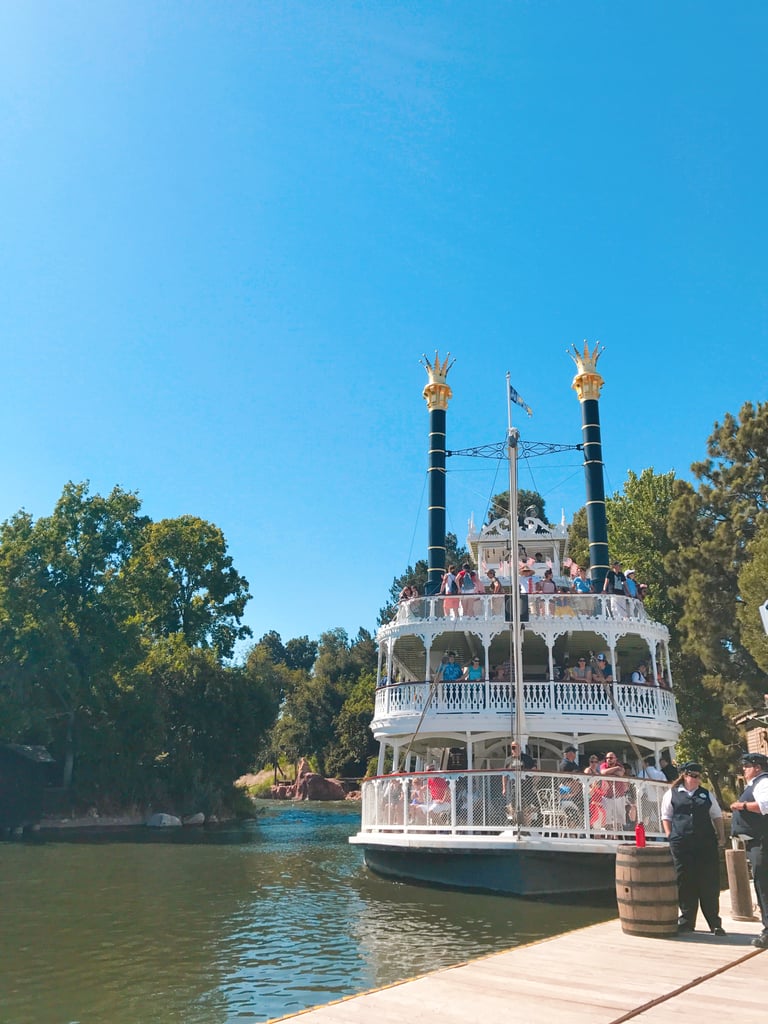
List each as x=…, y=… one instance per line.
x=480, y=607
x=555, y=700
x=492, y=802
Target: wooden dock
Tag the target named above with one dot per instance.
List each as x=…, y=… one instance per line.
x=595, y=975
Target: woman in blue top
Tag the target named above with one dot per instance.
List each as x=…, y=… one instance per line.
x=473, y=671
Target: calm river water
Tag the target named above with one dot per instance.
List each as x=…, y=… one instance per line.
x=239, y=925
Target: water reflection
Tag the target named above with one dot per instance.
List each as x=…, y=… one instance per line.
x=237, y=925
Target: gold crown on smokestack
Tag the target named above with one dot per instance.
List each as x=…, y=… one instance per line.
x=587, y=382
x=437, y=392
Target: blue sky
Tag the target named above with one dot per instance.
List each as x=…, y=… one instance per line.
x=228, y=231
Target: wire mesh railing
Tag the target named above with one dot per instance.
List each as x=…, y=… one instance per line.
x=574, y=805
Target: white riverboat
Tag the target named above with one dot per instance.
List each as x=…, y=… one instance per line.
x=457, y=811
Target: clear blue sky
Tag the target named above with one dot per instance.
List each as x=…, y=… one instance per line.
x=230, y=230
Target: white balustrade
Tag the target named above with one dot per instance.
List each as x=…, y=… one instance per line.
x=487, y=607
x=560, y=699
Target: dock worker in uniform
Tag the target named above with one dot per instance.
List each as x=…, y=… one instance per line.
x=693, y=823
x=750, y=822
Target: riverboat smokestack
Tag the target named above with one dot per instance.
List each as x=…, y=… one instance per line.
x=587, y=384
x=437, y=394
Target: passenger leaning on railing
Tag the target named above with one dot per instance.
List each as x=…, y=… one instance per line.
x=473, y=671
x=449, y=671
x=582, y=673
x=602, y=671
x=493, y=584
x=581, y=583
x=614, y=793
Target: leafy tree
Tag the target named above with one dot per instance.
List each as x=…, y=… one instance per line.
x=528, y=503
x=183, y=581
x=271, y=644
x=639, y=537
x=308, y=724
x=212, y=719
x=301, y=653
x=713, y=528
x=753, y=591
x=64, y=611
x=578, y=538
x=355, y=744
x=298, y=653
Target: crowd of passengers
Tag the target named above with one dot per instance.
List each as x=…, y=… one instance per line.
x=592, y=669
x=464, y=582
x=612, y=797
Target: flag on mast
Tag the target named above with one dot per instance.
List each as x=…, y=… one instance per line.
x=515, y=397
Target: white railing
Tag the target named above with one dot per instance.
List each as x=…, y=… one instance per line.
x=484, y=607
x=543, y=804
x=464, y=697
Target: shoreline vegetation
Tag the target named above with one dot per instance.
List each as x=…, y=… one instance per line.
x=254, y=785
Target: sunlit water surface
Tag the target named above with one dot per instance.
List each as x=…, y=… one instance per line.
x=238, y=925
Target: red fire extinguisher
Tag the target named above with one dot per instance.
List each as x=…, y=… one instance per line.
x=639, y=834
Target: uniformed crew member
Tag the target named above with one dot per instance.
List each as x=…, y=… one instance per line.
x=750, y=821
x=693, y=822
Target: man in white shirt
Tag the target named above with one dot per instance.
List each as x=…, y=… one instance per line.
x=750, y=822
x=650, y=771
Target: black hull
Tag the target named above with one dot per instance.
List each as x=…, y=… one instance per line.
x=509, y=872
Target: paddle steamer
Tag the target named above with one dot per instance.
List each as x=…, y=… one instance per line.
x=456, y=809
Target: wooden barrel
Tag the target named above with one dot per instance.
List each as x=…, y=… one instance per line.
x=646, y=890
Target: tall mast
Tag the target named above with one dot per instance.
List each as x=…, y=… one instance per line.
x=437, y=394
x=587, y=384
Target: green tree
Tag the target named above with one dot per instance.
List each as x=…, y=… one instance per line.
x=210, y=723
x=578, y=539
x=272, y=645
x=753, y=592
x=529, y=503
x=301, y=653
x=713, y=528
x=355, y=744
x=639, y=538
x=309, y=719
x=64, y=611
x=183, y=581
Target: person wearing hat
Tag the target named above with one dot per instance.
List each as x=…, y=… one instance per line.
x=527, y=579
x=750, y=822
x=630, y=584
x=693, y=823
x=602, y=670
x=569, y=762
x=639, y=676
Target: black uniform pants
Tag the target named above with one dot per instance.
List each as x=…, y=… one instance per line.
x=759, y=864
x=697, y=865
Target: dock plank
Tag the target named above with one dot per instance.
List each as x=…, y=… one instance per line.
x=595, y=975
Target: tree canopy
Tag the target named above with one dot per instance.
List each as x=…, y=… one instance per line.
x=529, y=503
x=93, y=598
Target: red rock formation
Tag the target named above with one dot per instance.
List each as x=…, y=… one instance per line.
x=309, y=786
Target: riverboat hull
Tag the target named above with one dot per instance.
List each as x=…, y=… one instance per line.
x=531, y=869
